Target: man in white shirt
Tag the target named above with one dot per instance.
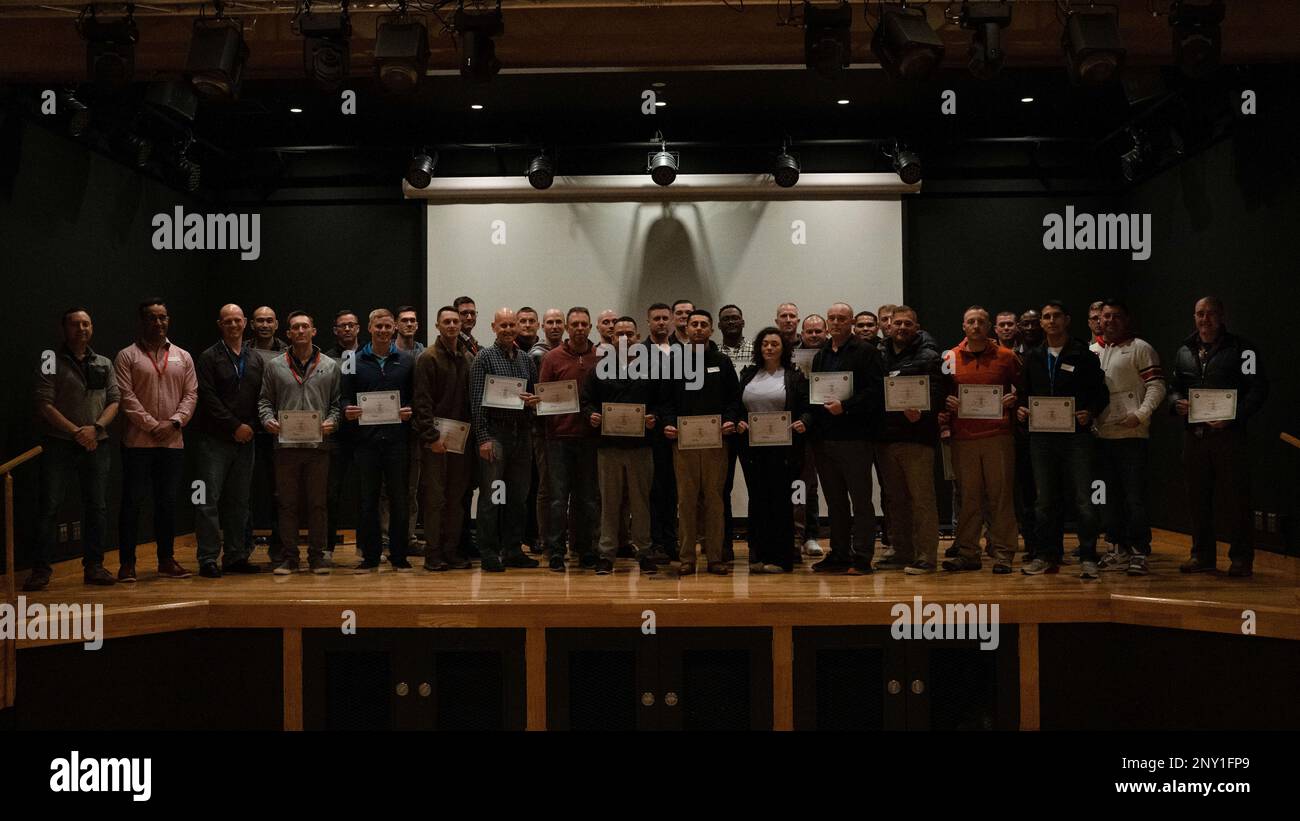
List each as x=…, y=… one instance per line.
x=1137, y=387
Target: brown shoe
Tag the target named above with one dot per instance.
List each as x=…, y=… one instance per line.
x=126, y=573
x=1197, y=565
x=433, y=560
x=170, y=569
x=96, y=574
x=454, y=560
x=719, y=568
x=687, y=568
x=1241, y=570
x=39, y=578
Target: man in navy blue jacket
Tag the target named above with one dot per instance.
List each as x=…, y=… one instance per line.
x=381, y=450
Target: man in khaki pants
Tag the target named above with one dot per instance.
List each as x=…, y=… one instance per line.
x=701, y=472
x=983, y=449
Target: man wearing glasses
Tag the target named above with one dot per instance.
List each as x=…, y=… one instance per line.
x=346, y=330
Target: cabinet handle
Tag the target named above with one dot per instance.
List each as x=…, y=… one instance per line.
x=670, y=698
x=425, y=689
x=647, y=699
x=918, y=686
x=895, y=687
x=402, y=688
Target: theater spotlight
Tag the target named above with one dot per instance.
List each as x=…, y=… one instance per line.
x=136, y=147
x=478, y=52
x=1132, y=161
x=110, y=46
x=905, y=45
x=1197, y=36
x=186, y=172
x=907, y=164
x=987, y=21
x=218, y=52
x=541, y=172
x=78, y=114
x=786, y=170
x=325, y=48
x=420, y=172
x=662, y=164
x=1093, y=53
x=826, y=38
x=401, y=53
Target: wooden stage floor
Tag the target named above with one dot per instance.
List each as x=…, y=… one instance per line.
x=539, y=598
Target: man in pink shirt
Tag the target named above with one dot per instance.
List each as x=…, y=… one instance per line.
x=159, y=390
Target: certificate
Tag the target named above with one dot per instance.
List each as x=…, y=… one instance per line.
x=698, y=432
x=300, y=427
x=907, y=393
x=769, y=428
x=1206, y=405
x=827, y=385
x=979, y=402
x=557, y=397
x=1051, y=414
x=1122, y=403
x=622, y=419
x=503, y=392
x=802, y=358
x=452, y=434
x=380, y=407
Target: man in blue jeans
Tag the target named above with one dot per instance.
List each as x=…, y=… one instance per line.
x=1062, y=367
x=505, y=447
x=230, y=382
x=76, y=399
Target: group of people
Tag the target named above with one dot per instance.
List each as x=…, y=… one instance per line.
x=641, y=462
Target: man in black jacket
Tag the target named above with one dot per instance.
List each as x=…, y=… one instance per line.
x=701, y=472
x=230, y=381
x=841, y=435
x=1063, y=366
x=1217, y=452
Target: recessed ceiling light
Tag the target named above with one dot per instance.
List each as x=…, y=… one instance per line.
x=1026, y=99
x=477, y=106
x=661, y=104
x=659, y=85
x=295, y=111
x=842, y=102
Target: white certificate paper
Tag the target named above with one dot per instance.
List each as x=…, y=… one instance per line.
x=769, y=428
x=380, y=407
x=1122, y=403
x=827, y=385
x=697, y=432
x=1207, y=405
x=503, y=392
x=300, y=427
x=557, y=397
x=979, y=402
x=1051, y=414
x=452, y=434
x=907, y=393
x=802, y=358
x=622, y=419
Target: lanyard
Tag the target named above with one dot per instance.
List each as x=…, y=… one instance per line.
x=288, y=356
x=237, y=362
x=156, y=369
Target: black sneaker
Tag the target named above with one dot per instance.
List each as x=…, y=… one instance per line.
x=520, y=560
x=604, y=567
x=958, y=564
x=97, y=575
x=831, y=564
x=647, y=565
x=952, y=552
x=1196, y=565
x=399, y=563
x=320, y=565
x=587, y=561
x=557, y=563
x=918, y=567
x=286, y=567
x=209, y=570
x=241, y=566
x=365, y=566
x=491, y=564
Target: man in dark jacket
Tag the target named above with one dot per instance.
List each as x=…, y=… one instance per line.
x=1217, y=453
x=701, y=472
x=381, y=452
x=906, y=452
x=841, y=434
x=230, y=381
x=1063, y=366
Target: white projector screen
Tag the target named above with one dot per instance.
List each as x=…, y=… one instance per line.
x=627, y=255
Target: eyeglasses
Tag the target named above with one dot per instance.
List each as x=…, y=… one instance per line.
x=347, y=326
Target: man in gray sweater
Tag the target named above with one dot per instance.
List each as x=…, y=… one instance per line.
x=304, y=383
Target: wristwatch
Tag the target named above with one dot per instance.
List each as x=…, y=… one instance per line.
x=176, y=424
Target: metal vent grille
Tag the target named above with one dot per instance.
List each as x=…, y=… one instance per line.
x=602, y=690
x=469, y=691
x=357, y=687
x=849, y=688
x=715, y=690
x=963, y=689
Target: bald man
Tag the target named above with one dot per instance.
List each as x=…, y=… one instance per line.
x=537, y=524
x=503, y=436
x=605, y=325
x=230, y=382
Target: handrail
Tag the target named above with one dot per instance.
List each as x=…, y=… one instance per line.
x=7, y=467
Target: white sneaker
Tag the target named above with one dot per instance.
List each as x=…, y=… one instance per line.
x=885, y=553
x=812, y=548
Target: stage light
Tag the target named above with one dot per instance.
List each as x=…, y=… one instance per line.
x=110, y=46
x=295, y=110
x=186, y=172
x=662, y=164
x=905, y=45
x=842, y=102
x=401, y=53
x=1132, y=161
x=1197, y=36
x=476, y=106
x=786, y=170
x=478, y=52
x=1093, y=52
x=325, y=47
x=1026, y=99
x=420, y=172
x=137, y=147
x=78, y=114
x=907, y=164
x=987, y=21
x=218, y=52
x=541, y=172
x=827, y=41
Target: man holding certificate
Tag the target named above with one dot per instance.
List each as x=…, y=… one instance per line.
x=696, y=420
x=1065, y=391
x=300, y=406
x=906, y=450
x=1217, y=387
x=846, y=417
x=502, y=401
x=377, y=406
x=571, y=446
x=982, y=386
